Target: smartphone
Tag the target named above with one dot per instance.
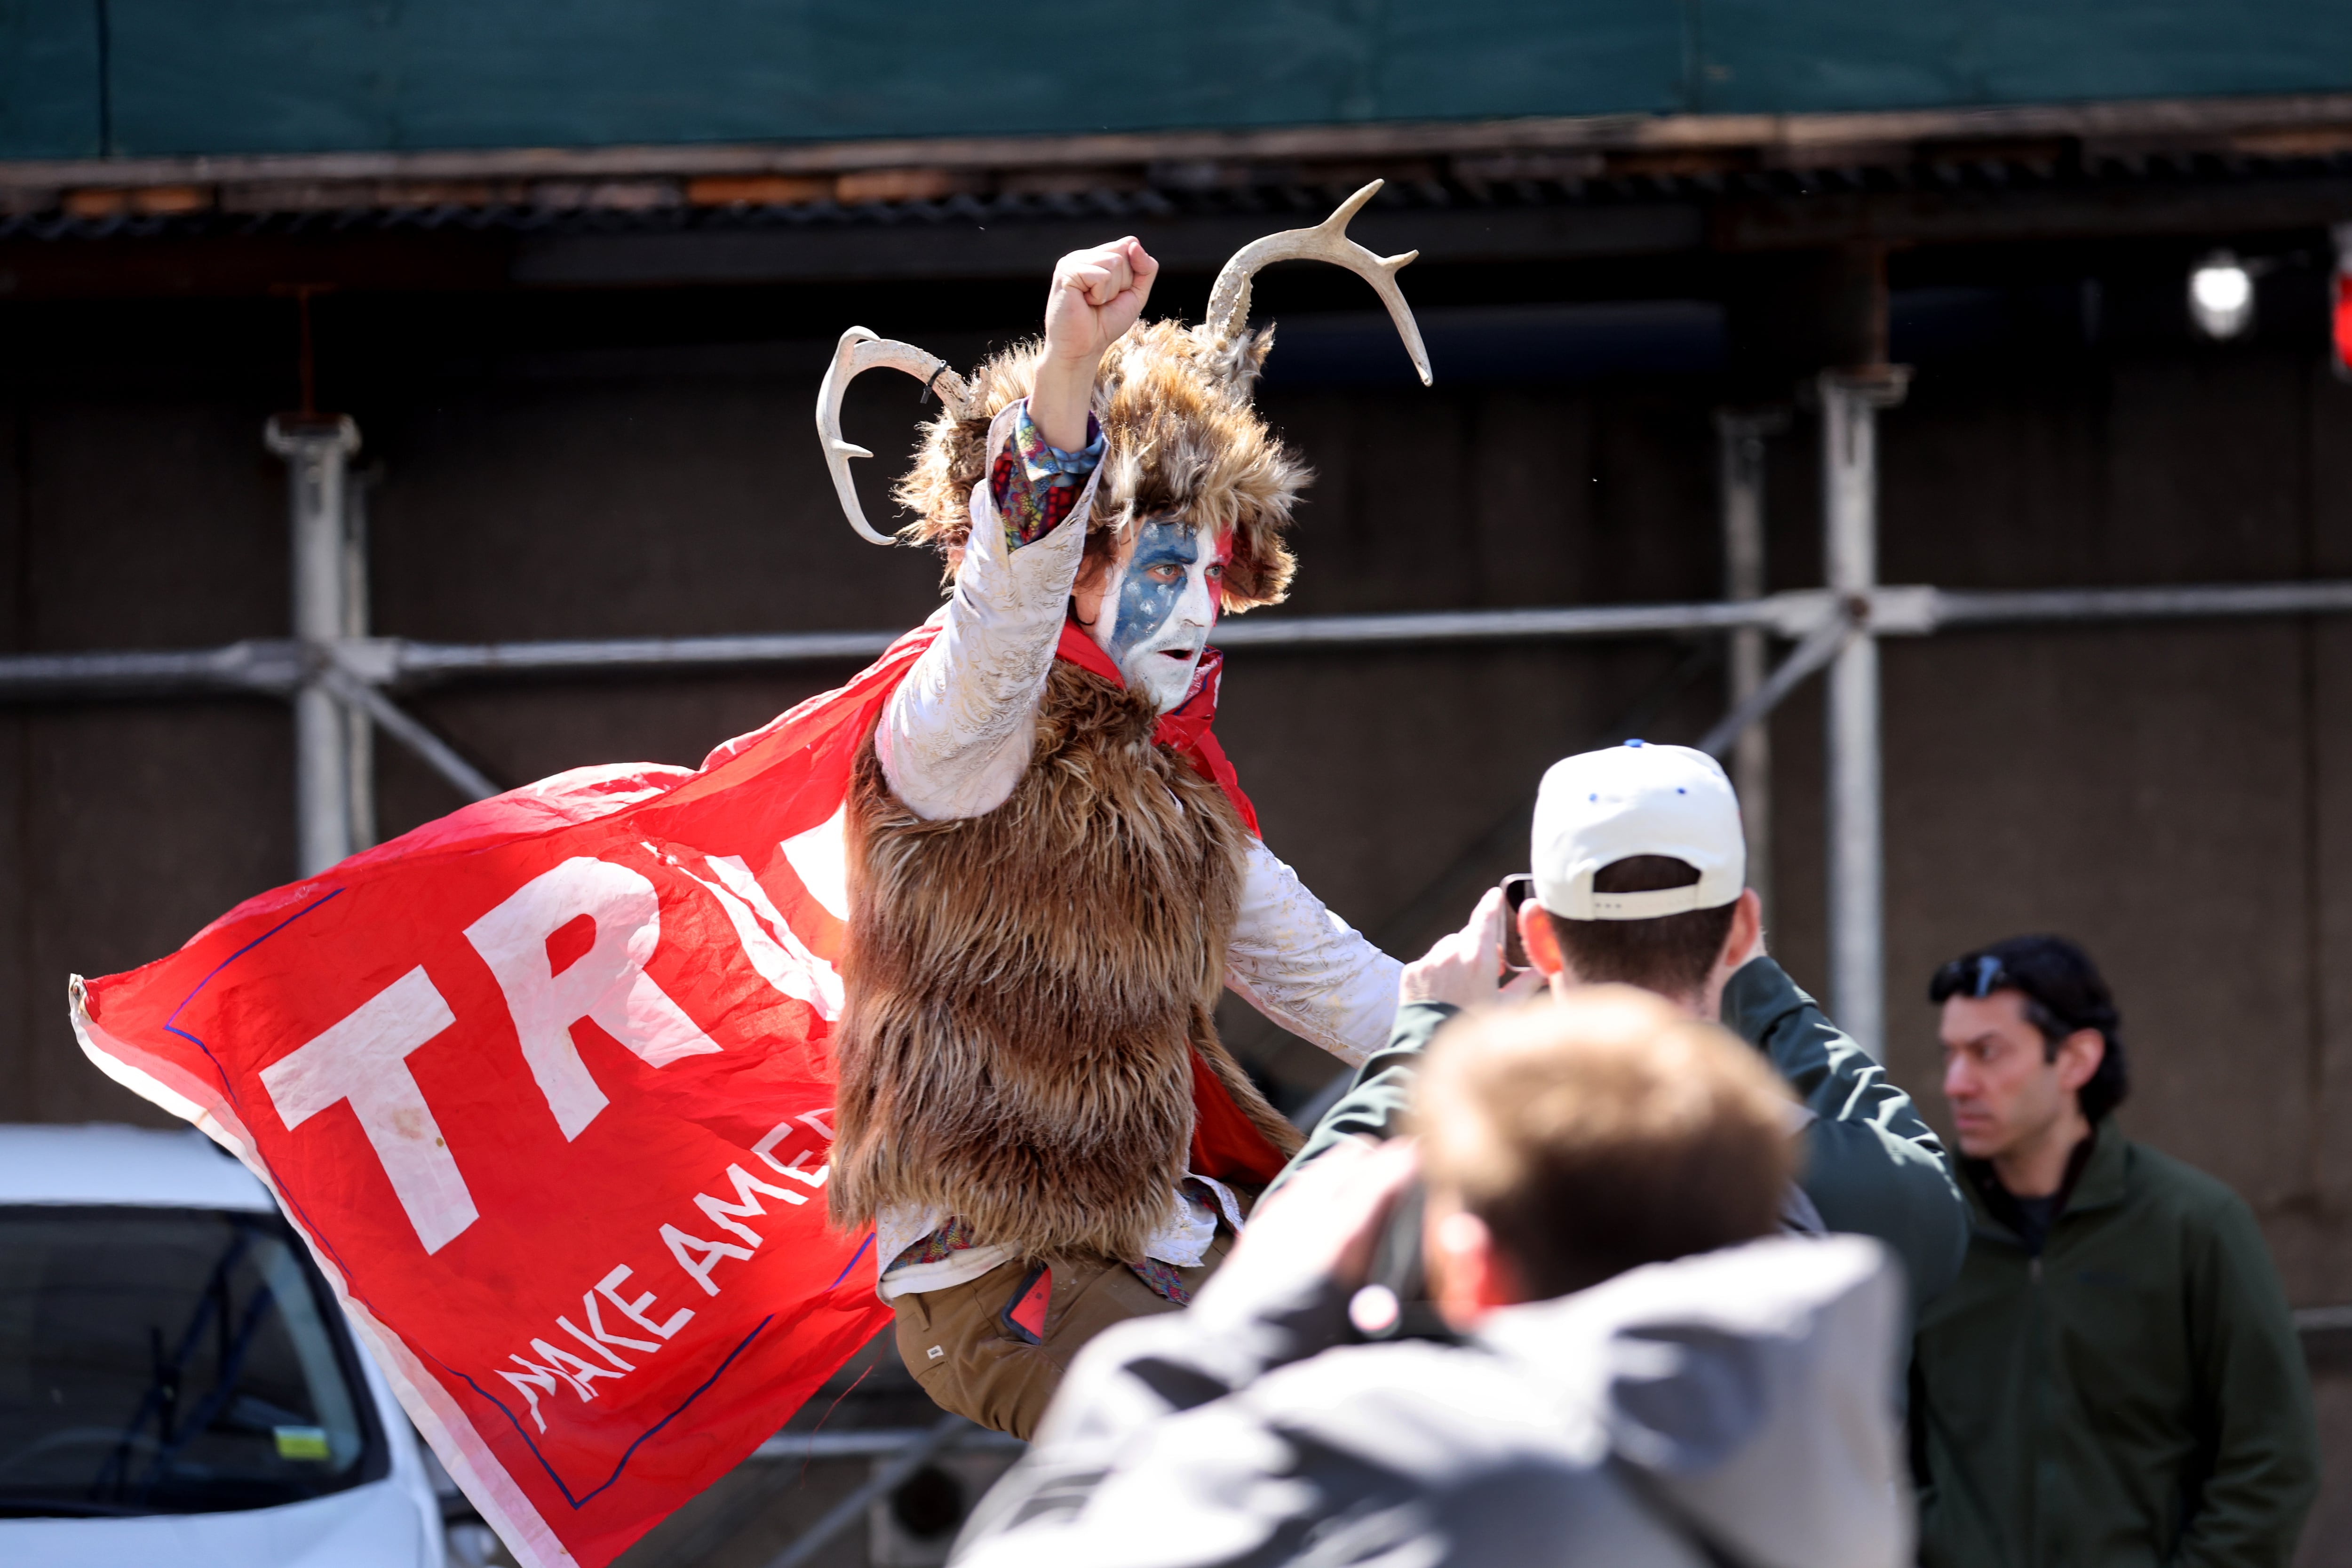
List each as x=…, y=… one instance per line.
x=1517, y=889
x=1397, y=1284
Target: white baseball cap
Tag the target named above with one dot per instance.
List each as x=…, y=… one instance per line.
x=1599, y=807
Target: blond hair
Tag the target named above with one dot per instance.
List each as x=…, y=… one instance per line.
x=1602, y=1130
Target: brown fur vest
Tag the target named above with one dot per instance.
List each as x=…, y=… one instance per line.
x=1026, y=989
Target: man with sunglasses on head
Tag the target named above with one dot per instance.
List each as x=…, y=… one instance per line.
x=2115, y=1378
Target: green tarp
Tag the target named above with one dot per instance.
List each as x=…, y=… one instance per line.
x=78, y=77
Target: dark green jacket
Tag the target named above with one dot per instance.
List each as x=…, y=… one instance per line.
x=1872, y=1166
x=2135, y=1394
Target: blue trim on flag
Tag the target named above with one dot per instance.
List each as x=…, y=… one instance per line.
x=851, y=1263
x=579, y=1502
x=170, y=1024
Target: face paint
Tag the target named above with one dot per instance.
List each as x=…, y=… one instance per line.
x=1160, y=605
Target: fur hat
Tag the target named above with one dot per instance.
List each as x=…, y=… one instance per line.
x=1180, y=439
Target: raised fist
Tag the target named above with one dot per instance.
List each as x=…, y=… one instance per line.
x=1096, y=297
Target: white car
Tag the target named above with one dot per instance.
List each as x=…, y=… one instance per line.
x=177, y=1384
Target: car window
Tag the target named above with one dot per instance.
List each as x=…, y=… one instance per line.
x=171, y=1361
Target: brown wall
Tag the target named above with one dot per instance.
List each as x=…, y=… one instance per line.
x=2178, y=798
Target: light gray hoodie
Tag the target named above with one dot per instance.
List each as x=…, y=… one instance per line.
x=1736, y=1407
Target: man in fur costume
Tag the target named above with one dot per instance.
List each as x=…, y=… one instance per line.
x=1053, y=871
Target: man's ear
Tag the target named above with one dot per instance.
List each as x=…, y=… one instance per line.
x=1537, y=936
x=1744, y=940
x=2079, y=1056
x=1469, y=1276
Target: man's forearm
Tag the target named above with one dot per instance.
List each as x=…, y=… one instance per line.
x=1873, y=1166
x=1303, y=966
x=1868, y=1182
x=1094, y=297
x=954, y=737
x=1061, y=396
x=1375, y=1107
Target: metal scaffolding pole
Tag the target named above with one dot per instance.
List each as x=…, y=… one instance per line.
x=274, y=666
x=359, y=733
x=1740, y=437
x=888, y=1479
x=1854, y=826
x=356, y=673
x=318, y=452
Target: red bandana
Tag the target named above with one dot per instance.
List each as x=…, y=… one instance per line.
x=1184, y=729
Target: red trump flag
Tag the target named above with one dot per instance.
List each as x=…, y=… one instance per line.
x=545, y=1085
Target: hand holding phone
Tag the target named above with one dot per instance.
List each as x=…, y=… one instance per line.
x=1517, y=888
x=1467, y=968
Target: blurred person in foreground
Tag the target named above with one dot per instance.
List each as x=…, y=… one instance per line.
x=2116, y=1377
x=1643, y=1373
x=1640, y=877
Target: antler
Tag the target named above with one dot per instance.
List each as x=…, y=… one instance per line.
x=1229, y=302
x=859, y=351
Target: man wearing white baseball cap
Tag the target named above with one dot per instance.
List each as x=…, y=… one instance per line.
x=1640, y=877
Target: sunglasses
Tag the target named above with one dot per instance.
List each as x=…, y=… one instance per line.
x=1975, y=978
x=1978, y=977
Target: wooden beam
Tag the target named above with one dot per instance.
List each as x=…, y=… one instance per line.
x=246, y=265
x=2288, y=121
x=1904, y=219
x=851, y=252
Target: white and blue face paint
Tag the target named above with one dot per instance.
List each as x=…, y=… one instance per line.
x=1160, y=605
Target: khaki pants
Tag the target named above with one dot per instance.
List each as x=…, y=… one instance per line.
x=959, y=1351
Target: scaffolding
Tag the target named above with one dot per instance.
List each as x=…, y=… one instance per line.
x=340, y=681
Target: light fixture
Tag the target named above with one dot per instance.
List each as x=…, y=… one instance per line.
x=2222, y=297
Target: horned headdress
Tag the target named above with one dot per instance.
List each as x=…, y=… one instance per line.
x=1174, y=402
